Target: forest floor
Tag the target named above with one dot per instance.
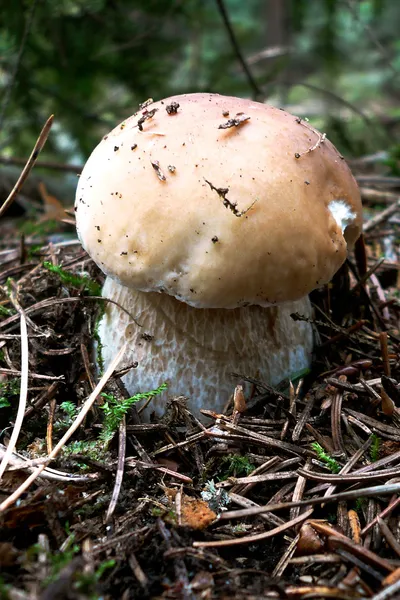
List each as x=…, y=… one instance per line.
x=295, y=497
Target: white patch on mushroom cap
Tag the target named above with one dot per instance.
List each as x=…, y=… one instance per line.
x=342, y=213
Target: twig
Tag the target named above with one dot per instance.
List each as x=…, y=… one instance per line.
x=336, y=411
x=120, y=470
x=389, y=593
x=374, y=491
x=246, y=503
x=49, y=434
x=23, y=394
x=79, y=419
x=257, y=91
x=53, y=301
x=382, y=216
x=385, y=353
x=285, y=558
x=352, y=6
x=29, y=165
x=138, y=571
x=20, y=463
x=11, y=82
x=16, y=373
x=390, y=538
x=385, y=513
x=350, y=464
x=250, y=539
x=41, y=164
x=133, y=462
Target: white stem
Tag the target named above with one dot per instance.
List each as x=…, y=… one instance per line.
x=196, y=350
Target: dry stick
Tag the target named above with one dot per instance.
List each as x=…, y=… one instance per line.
x=246, y=503
x=386, y=512
x=44, y=134
x=69, y=168
x=120, y=470
x=299, y=491
x=350, y=464
x=11, y=82
x=356, y=13
x=389, y=593
x=385, y=352
x=387, y=533
x=137, y=570
x=374, y=491
x=336, y=411
x=16, y=373
x=382, y=216
x=23, y=394
x=373, y=195
x=49, y=433
x=79, y=419
x=250, y=539
x=53, y=301
x=86, y=362
x=225, y=17
x=368, y=274
x=285, y=558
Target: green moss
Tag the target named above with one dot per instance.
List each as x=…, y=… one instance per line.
x=8, y=390
x=85, y=583
x=4, y=590
x=325, y=458
x=6, y=312
x=70, y=409
x=235, y=465
x=56, y=560
x=75, y=281
x=34, y=228
x=360, y=505
x=375, y=448
x=114, y=410
x=92, y=449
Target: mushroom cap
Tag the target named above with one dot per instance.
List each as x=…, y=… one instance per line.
x=220, y=202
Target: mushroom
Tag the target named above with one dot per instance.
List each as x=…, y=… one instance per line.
x=213, y=218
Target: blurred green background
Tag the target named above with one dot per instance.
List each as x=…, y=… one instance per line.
x=91, y=62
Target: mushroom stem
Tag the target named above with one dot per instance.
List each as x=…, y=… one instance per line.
x=196, y=350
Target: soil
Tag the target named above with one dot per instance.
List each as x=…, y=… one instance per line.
x=156, y=509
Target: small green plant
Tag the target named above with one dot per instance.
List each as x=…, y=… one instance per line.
x=332, y=518
x=39, y=228
x=4, y=403
x=375, y=448
x=70, y=409
x=4, y=590
x=33, y=251
x=56, y=560
x=360, y=504
x=92, y=449
x=324, y=457
x=6, y=312
x=393, y=160
x=114, y=410
x=8, y=389
x=9, y=285
x=70, y=412
x=86, y=583
x=76, y=281
x=235, y=465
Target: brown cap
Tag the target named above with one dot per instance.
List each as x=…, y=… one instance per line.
x=218, y=201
